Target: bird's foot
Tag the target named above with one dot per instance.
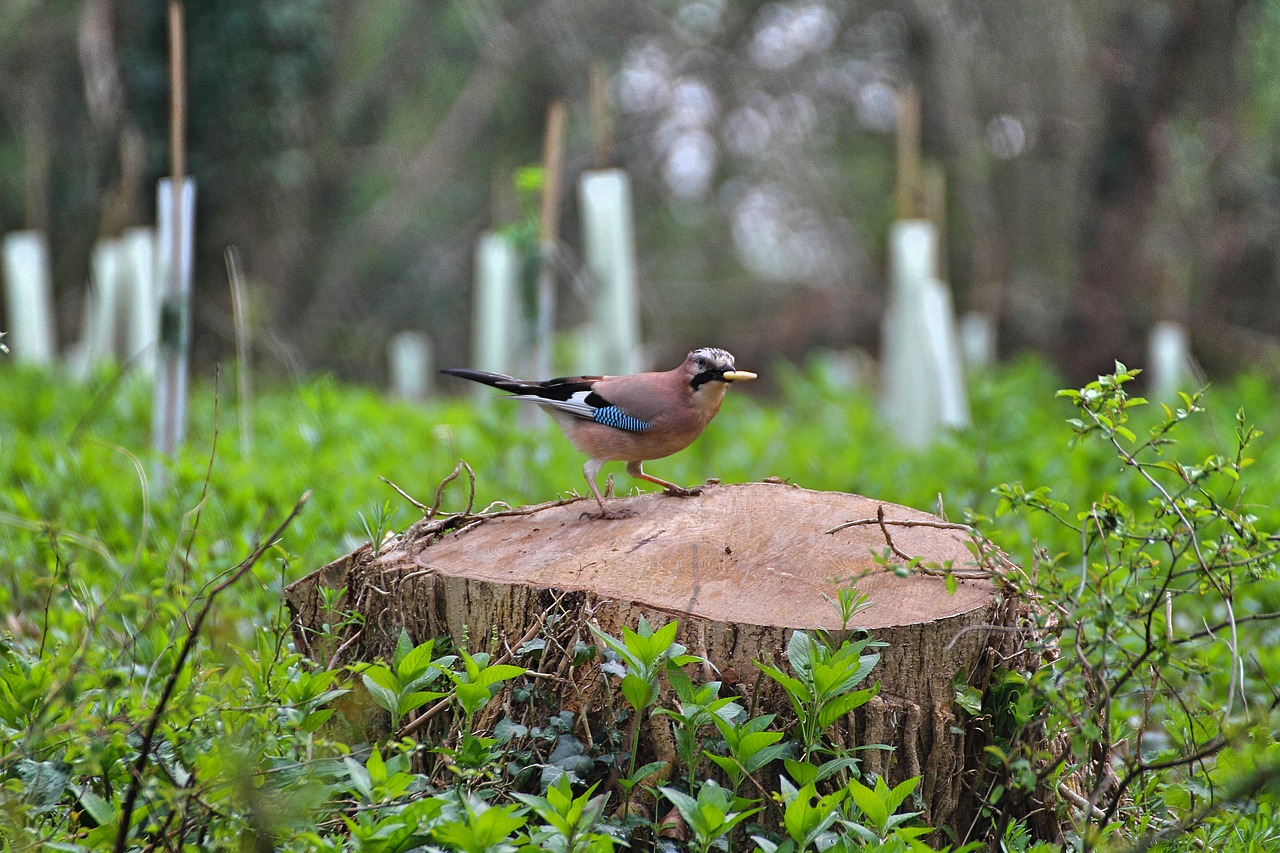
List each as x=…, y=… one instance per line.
x=681, y=492
x=610, y=514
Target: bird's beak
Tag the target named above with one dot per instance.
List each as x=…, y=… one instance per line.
x=738, y=376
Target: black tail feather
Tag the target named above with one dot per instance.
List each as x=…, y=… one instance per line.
x=552, y=389
x=484, y=377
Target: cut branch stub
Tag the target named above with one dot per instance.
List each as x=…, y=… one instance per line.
x=740, y=567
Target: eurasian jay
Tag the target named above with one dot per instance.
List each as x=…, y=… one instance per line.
x=629, y=418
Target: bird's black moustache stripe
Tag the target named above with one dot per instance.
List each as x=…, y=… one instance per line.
x=705, y=377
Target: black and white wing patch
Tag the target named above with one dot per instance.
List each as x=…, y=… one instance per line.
x=577, y=399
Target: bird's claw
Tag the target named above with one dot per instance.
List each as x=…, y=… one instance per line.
x=679, y=492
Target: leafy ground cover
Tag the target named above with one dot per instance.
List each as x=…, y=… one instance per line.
x=147, y=672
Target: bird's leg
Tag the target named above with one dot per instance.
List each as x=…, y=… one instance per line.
x=636, y=470
x=590, y=470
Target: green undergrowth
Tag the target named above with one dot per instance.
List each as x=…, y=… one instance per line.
x=146, y=666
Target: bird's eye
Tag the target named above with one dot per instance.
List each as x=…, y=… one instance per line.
x=700, y=363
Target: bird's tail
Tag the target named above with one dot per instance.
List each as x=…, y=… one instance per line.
x=484, y=377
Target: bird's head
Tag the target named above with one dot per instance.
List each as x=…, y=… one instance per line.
x=710, y=364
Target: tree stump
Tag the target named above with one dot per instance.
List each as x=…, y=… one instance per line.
x=740, y=567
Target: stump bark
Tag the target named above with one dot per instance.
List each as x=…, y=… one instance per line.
x=740, y=567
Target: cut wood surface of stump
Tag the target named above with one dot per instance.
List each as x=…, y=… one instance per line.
x=740, y=567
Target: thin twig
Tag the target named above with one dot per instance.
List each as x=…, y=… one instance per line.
x=333, y=660
x=880, y=520
x=1003, y=629
x=410, y=498
x=429, y=526
x=457, y=469
x=1080, y=802
x=425, y=717
x=884, y=524
x=960, y=574
x=887, y=538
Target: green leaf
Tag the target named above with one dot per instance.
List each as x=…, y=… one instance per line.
x=800, y=651
x=472, y=697
x=44, y=781
x=665, y=636
x=102, y=811
x=415, y=662
x=413, y=701
x=727, y=763
x=801, y=772
x=756, y=749
x=382, y=676
x=806, y=816
x=968, y=697
x=485, y=829
x=686, y=804
x=529, y=179
x=682, y=685
x=387, y=698
x=795, y=688
x=497, y=673
x=359, y=776
x=646, y=770
x=843, y=704
x=537, y=644
x=403, y=645
x=638, y=692
x=869, y=803
x=900, y=792
x=505, y=730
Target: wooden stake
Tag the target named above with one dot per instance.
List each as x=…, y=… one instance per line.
x=909, y=192
x=601, y=120
x=552, y=166
x=548, y=238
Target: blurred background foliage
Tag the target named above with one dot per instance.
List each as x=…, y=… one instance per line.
x=1108, y=163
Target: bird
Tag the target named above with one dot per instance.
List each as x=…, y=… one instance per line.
x=631, y=418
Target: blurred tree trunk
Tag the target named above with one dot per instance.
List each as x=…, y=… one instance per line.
x=116, y=136
x=1160, y=186
x=43, y=136
x=37, y=140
